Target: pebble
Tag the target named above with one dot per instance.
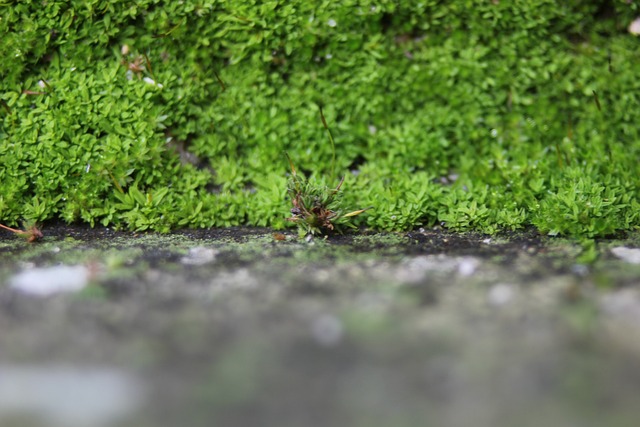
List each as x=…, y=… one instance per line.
x=631, y=255
x=200, y=255
x=48, y=281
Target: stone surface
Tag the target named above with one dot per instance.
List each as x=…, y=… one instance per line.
x=236, y=327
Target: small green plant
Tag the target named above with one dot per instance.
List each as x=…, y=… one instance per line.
x=31, y=232
x=316, y=207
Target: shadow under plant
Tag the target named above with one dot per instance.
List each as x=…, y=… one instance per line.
x=241, y=327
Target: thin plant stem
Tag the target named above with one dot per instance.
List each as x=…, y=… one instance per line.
x=333, y=146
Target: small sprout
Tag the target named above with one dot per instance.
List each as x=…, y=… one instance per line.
x=317, y=208
x=32, y=233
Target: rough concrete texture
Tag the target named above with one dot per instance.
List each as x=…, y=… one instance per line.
x=243, y=327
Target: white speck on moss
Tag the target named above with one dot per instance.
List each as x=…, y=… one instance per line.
x=634, y=27
x=332, y=23
x=150, y=81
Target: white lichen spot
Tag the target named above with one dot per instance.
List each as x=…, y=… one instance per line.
x=150, y=81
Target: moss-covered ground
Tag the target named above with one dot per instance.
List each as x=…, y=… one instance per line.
x=474, y=114
x=241, y=327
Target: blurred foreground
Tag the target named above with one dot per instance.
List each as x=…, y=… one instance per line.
x=238, y=327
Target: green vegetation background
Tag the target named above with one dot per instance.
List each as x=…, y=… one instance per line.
x=484, y=115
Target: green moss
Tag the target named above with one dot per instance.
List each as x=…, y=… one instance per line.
x=529, y=104
x=386, y=239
